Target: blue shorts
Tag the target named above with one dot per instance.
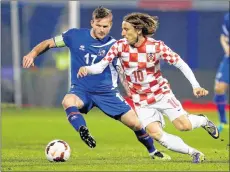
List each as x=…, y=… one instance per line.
x=223, y=71
x=111, y=103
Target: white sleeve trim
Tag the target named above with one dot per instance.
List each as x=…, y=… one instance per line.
x=186, y=70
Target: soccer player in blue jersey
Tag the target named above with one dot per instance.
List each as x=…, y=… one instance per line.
x=89, y=46
x=222, y=76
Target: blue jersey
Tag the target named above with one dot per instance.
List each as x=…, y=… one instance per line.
x=85, y=51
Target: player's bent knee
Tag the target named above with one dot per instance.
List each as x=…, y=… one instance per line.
x=182, y=124
x=154, y=130
x=184, y=127
x=67, y=103
x=220, y=88
x=156, y=135
x=187, y=127
x=70, y=100
x=135, y=124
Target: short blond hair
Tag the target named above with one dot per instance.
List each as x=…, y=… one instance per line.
x=102, y=12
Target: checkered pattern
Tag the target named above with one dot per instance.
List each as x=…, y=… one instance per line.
x=142, y=68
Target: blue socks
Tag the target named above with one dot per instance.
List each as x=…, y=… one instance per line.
x=75, y=117
x=220, y=101
x=145, y=139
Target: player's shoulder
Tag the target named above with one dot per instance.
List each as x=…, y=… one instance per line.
x=76, y=31
x=153, y=41
x=110, y=39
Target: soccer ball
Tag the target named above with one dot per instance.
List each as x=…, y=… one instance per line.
x=57, y=151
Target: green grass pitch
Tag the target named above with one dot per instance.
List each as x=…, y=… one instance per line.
x=26, y=132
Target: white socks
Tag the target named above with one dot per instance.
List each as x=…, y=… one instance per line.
x=175, y=143
x=197, y=121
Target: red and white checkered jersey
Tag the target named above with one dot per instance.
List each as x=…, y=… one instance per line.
x=142, y=68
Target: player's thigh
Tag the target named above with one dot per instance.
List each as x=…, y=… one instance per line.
x=111, y=103
x=149, y=116
x=170, y=107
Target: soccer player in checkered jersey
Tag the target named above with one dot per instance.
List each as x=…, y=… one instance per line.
x=88, y=46
x=140, y=57
x=222, y=76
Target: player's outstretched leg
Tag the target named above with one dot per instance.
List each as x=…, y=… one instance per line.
x=173, y=142
x=211, y=128
x=86, y=137
x=131, y=120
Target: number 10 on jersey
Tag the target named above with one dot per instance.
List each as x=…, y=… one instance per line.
x=138, y=75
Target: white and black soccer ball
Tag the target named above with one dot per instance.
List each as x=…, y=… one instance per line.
x=57, y=151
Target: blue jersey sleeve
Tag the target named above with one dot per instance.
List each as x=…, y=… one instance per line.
x=225, y=26
x=68, y=35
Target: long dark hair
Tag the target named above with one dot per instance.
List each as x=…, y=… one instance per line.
x=148, y=24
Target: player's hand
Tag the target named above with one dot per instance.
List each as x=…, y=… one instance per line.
x=200, y=92
x=82, y=72
x=28, y=61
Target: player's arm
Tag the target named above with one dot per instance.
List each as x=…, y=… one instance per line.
x=99, y=67
x=174, y=59
x=224, y=37
x=28, y=60
x=123, y=81
x=224, y=41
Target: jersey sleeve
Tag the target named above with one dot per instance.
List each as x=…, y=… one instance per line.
x=186, y=70
x=167, y=54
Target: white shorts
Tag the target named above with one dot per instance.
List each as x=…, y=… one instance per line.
x=168, y=105
x=148, y=115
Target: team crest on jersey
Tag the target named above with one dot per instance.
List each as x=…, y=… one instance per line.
x=82, y=47
x=150, y=57
x=101, y=53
